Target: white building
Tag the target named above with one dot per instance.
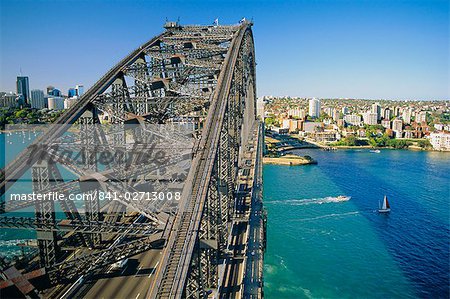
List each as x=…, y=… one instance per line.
x=55, y=103
x=421, y=117
x=387, y=113
x=314, y=107
x=69, y=102
x=440, y=141
x=9, y=100
x=439, y=127
x=376, y=108
x=310, y=127
x=386, y=123
x=370, y=118
x=406, y=115
x=38, y=99
x=352, y=119
x=397, y=126
x=299, y=113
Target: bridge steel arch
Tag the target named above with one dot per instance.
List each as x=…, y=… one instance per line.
x=206, y=71
x=197, y=244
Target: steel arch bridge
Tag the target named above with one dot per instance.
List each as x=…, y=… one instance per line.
x=191, y=92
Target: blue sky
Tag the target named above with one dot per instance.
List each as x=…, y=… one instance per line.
x=355, y=48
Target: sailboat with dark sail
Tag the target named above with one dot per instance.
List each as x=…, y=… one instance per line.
x=385, y=207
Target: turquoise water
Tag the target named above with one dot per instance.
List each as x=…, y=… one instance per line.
x=320, y=248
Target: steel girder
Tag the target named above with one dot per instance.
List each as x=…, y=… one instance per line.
x=45, y=212
x=190, y=265
x=215, y=225
x=80, y=226
x=172, y=77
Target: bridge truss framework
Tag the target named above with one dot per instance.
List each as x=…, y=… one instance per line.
x=200, y=77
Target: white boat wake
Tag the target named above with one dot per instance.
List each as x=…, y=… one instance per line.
x=300, y=202
x=326, y=216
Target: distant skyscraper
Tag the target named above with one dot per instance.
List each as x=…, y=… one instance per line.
x=50, y=89
x=37, y=99
x=55, y=92
x=72, y=92
x=23, y=88
x=314, y=107
x=80, y=90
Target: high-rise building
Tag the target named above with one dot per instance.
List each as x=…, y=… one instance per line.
x=37, y=99
x=69, y=102
x=421, y=117
x=55, y=103
x=440, y=141
x=314, y=107
x=80, y=90
x=406, y=115
x=376, y=108
x=23, y=88
x=72, y=92
x=50, y=90
x=370, y=118
x=387, y=113
x=9, y=100
x=55, y=92
x=397, y=125
x=297, y=112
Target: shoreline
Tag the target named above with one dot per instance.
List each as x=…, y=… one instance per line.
x=289, y=160
x=411, y=148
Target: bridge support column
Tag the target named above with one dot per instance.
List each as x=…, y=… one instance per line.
x=45, y=216
x=224, y=181
x=88, y=121
x=194, y=284
x=142, y=92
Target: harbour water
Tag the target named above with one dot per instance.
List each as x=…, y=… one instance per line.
x=321, y=247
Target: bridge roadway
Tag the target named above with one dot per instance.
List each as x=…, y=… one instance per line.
x=243, y=268
x=133, y=281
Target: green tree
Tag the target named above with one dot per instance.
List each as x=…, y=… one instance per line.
x=424, y=143
x=21, y=113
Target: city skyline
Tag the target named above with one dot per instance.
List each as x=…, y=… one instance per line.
x=382, y=50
